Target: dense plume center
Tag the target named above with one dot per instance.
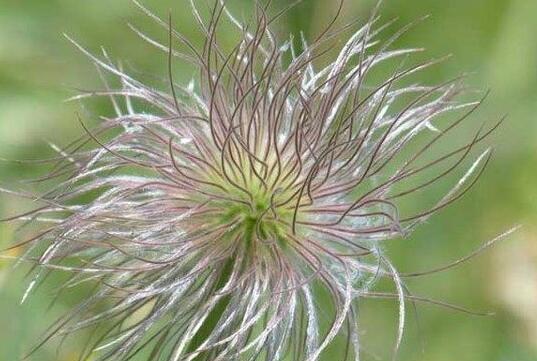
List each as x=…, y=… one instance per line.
x=255, y=203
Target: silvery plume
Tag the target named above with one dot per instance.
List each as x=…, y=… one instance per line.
x=242, y=216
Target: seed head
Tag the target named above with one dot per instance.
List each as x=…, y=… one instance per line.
x=242, y=216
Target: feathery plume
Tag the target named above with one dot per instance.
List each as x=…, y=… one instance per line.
x=212, y=217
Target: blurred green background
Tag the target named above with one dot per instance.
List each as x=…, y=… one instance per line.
x=495, y=40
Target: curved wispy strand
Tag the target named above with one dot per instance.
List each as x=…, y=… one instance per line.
x=241, y=216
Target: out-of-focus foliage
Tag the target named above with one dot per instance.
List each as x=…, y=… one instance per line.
x=492, y=39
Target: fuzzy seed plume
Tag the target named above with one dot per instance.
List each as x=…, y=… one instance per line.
x=243, y=215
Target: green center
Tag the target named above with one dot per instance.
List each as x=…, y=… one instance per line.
x=257, y=219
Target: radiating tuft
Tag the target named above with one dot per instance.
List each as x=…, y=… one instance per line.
x=241, y=216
